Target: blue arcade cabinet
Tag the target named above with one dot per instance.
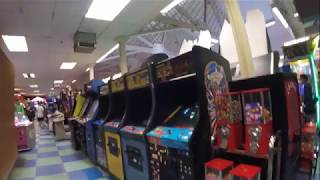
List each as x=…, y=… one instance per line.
x=179, y=145
x=98, y=129
x=93, y=92
x=138, y=119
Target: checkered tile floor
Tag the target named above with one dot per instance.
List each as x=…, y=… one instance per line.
x=54, y=160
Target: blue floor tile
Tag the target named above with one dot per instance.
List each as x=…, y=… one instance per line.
x=25, y=163
x=48, y=154
x=73, y=157
x=85, y=174
x=50, y=170
x=47, y=145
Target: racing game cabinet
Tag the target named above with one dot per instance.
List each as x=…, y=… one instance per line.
x=179, y=145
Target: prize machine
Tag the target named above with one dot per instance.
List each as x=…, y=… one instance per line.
x=98, y=130
x=300, y=55
x=270, y=142
x=179, y=146
x=137, y=120
x=93, y=92
x=25, y=132
x=112, y=127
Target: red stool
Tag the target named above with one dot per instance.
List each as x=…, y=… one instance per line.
x=218, y=169
x=244, y=171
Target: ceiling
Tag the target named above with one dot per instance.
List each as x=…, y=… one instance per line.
x=49, y=26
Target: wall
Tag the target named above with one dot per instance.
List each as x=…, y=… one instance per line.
x=8, y=146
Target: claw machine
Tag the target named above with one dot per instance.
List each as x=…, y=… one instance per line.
x=112, y=128
x=138, y=118
x=179, y=144
x=98, y=130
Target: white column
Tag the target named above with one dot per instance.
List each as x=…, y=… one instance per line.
x=240, y=37
x=91, y=72
x=123, y=55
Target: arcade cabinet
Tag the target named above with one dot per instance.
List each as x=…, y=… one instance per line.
x=77, y=113
x=98, y=130
x=26, y=136
x=272, y=125
x=137, y=120
x=112, y=127
x=300, y=55
x=179, y=146
x=93, y=92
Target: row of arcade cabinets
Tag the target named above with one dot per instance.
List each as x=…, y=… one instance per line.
x=158, y=126
x=257, y=127
x=166, y=120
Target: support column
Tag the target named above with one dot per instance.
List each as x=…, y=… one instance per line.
x=123, y=55
x=91, y=72
x=240, y=37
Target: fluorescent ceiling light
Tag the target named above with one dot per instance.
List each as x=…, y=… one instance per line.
x=106, y=10
x=214, y=41
x=17, y=89
x=15, y=43
x=57, y=81
x=25, y=75
x=280, y=17
x=73, y=81
x=68, y=65
x=173, y=4
x=51, y=89
x=108, y=53
x=271, y=23
x=32, y=75
x=36, y=91
x=88, y=69
x=116, y=76
x=106, y=80
x=34, y=86
x=296, y=41
x=296, y=14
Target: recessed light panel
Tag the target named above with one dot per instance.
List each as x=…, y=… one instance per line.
x=15, y=43
x=32, y=75
x=25, y=75
x=34, y=86
x=106, y=10
x=36, y=91
x=170, y=6
x=68, y=65
x=57, y=81
x=73, y=81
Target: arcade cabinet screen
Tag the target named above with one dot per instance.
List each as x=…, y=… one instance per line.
x=93, y=109
x=183, y=116
x=84, y=107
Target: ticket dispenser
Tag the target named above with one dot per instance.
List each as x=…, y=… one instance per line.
x=258, y=120
x=112, y=127
x=229, y=121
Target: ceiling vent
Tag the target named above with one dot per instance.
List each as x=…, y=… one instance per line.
x=84, y=42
